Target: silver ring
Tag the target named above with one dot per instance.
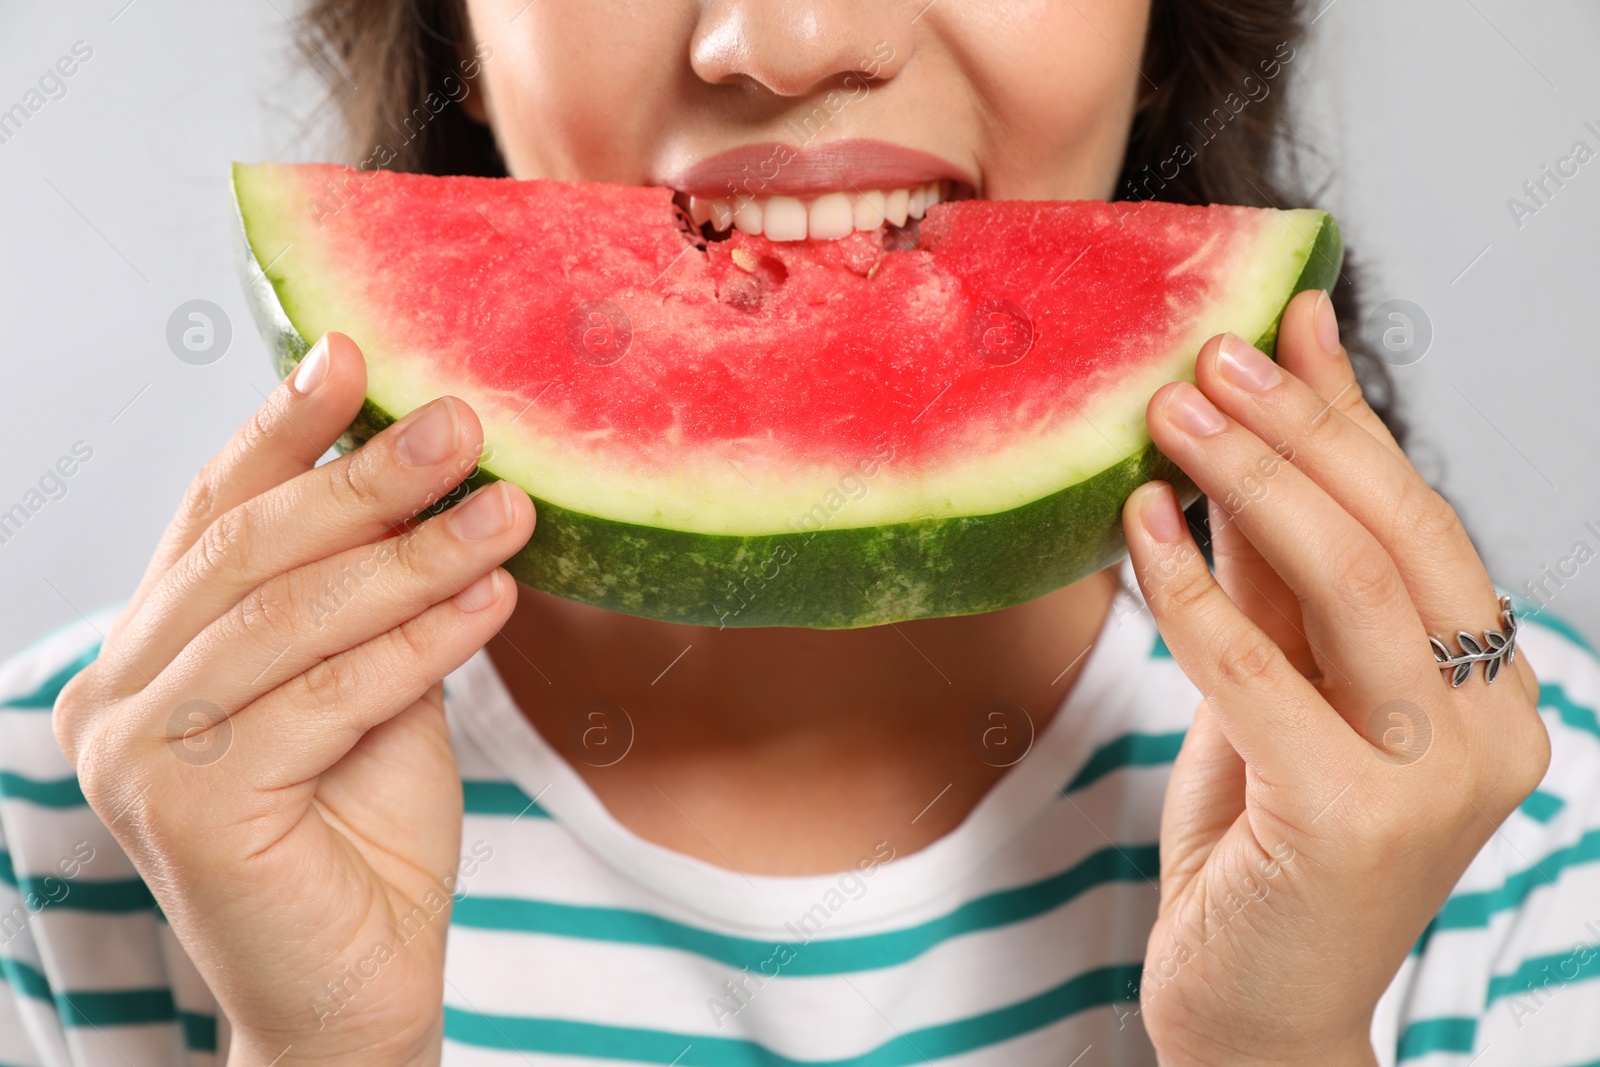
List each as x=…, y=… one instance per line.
x=1497, y=647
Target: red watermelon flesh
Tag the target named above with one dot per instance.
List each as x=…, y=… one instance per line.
x=687, y=413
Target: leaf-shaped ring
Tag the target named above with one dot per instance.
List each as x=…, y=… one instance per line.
x=1497, y=647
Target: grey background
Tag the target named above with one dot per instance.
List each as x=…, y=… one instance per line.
x=1429, y=115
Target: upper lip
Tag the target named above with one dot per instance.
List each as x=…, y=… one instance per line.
x=854, y=165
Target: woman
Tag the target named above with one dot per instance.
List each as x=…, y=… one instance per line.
x=686, y=846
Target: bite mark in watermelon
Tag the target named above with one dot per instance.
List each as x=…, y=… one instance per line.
x=749, y=433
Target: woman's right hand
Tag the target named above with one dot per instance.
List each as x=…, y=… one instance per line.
x=264, y=728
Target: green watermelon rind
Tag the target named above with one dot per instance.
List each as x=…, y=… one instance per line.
x=824, y=579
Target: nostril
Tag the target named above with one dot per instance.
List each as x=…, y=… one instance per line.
x=792, y=50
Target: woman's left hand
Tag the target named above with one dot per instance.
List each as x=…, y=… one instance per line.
x=1334, y=786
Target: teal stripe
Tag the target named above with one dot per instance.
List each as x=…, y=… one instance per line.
x=810, y=956
x=44, y=697
x=1129, y=750
x=123, y=1007
x=1561, y=969
x=499, y=798
x=45, y=792
x=1102, y=986
x=199, y=1031
x=1573, y=714
x=92, y=1008
x=1545, y=620
x=1464, y=911
x=1159, y=650
x=118, y=897
x=57, y=891
x=1541, y=806
x=1437, y=1035
x=25, y=980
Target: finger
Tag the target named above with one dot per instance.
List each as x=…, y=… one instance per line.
x=1205, y=794
x=1361, y=626
x=305, y=726
x=357, y=498
x=1441, y=571
x=1250, y=581
x=306, y=615
x=1309, y=348
x=411, y=749
x=1272, y=716
x=286, y=436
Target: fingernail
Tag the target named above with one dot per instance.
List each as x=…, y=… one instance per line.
x=432, y=437
x=480, y=594
x=313, y=369
x=482, y=515
x=1242, y=364
x=1188, y=408
x=1327, y=325
x=1160, y=515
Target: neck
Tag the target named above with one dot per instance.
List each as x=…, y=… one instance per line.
x=813, y=739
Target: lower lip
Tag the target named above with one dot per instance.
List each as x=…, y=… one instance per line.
x=827, y=217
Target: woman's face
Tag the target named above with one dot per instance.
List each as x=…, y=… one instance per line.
x=740, y=101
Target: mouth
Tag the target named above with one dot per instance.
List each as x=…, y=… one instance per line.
x=827, y=217
x=819, y=194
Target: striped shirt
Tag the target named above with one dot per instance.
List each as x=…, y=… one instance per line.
x=1016, y=939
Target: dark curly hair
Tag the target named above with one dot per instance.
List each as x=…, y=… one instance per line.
x=1213, y=116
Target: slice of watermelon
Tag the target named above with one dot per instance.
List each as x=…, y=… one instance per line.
x=746, y=433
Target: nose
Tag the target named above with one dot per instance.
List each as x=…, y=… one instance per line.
x=796, y=47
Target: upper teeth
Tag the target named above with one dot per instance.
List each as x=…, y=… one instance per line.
x=823, y=218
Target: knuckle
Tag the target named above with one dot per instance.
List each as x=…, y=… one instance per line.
x=95, y=777
x=1535, y=760
x=1366, y=576
x=267, y=613
x=90, y=769
x=1532, y=763
x=1337, y=419
x=224, y=546
x=410, y=551
x=199, y=503
x=1351, y=401
x=353, y=485
x=69, y=718
x=331, y=684
x=411, y=644
x=105, y=764
x=1519, y=760
x=254, y=434
x=1187, y=589
x=1245, y=657
x=1426, y=516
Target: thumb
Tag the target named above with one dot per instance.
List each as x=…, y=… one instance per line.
x=1205, y=796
